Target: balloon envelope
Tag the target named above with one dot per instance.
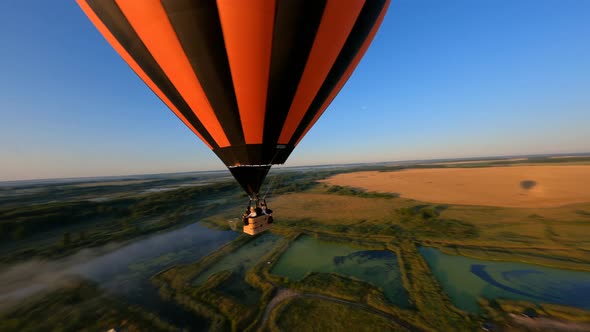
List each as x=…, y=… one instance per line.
x=249, y=78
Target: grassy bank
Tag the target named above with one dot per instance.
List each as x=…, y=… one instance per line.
x=306, y=314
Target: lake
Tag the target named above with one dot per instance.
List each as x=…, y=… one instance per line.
x=465, y=279
x=376, y=267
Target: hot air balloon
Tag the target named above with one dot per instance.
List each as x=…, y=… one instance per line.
x=249, y=77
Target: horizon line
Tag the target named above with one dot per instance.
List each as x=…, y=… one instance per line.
x=122, y=176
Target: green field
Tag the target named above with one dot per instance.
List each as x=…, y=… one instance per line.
x=312, y=314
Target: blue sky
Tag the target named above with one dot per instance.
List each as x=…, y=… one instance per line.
x=455, y=78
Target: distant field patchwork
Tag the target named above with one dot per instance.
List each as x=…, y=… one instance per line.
x=514, y=186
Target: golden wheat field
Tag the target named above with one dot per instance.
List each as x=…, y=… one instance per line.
x=514, y=186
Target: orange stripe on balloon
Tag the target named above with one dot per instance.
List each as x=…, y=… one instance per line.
x=150, y=21
x=349, y=70
x=136, y=68
x=337, y=22
x=247, y=29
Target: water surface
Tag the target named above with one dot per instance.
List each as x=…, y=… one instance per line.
x=121, y=269
x=465, y=279
x=125, y=270
x=377, y=267
x=243, y=258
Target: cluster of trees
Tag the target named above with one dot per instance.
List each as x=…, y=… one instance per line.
x=312, y=314
x=349, y=191
x=333, y=285
x=426, y=221
x=423, y=211
x=20, y=222
x=68, y=226
x=80, y=306
x=291, y=182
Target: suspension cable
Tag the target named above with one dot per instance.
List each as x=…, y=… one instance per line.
x=275, y=177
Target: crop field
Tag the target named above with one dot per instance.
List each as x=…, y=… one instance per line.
x=555, y=236
x=334, y=208
x=515, y=186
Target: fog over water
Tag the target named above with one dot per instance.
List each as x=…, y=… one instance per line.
x=118, y=267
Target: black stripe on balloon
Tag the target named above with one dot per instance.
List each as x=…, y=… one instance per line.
x=250, y=178
x=254, y=154
x=113, y=18
x=359, y=33
x=295, y=28
x=198, y=28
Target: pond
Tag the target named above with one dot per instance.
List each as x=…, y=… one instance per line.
x=465, y=279
x=376, y=267
x=243, y=258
